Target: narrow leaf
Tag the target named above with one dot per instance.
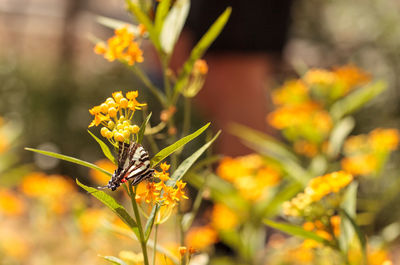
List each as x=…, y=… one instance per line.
x=114, y=23
x=70, y=159
x=161, y=13
x=295, y=231
x=360, y=235
x=339, y=135
x=104, y=148
x=150, y=222
x=274, y=148
x=110, y=202
x=200, y=48
x=349, y=206
x=173, y=25
x=356, y=100
x=175, y=146
x=143, y=129
x=114, y=260
x=188, y=162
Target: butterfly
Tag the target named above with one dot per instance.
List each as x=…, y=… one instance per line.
x=133, y=163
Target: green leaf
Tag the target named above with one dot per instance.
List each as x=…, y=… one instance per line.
x=110, y=202
x=188, y=162
x=150, y=222
x=200, y=48
x=173, y=25
x=356, y=99
x=270, y=145
x=143, y=129
x=104, y=148
x=114, y=23
x=339, y=135
x=295, y=231
x=175, y=146
x=161, y=13
x=145, y=20
x=360, y=235
x=70, y=159
x=349, y=206
x=114, y=260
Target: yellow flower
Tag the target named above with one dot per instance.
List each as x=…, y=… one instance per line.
x=122, y=46
x=316, y=190
x=223, y=218
x=249, y=174
x=319, y=77
x=291, y=93
x=384, y=139
x=363, y=164
x=351, y=76
x=116, y=114
x=10, y=203
x=201, y=237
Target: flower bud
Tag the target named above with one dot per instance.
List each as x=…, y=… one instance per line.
x=182, y=250
x=119, y=137
x=104, y=108
x=112, y=112
x=134, y=129
x=110, y=125
x=126, y=134
x=123, y=103
x=104, y=131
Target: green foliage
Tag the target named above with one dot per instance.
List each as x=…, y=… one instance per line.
x=104, y=148
x=164, y=153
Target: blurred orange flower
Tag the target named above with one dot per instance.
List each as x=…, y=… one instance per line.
x=10, y=203
x=223, y=218
x=201, y=237
x=99, y=177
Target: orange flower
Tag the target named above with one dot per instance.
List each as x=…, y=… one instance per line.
x=223, y=218
x=10, y=203
x=121, y=46
x=99, y=177
x=291, y=93
x=201, y=237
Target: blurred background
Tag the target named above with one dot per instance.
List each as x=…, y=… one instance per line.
x=50, y=77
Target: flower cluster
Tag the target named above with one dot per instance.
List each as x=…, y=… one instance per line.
x=336, y=83
x=326, y=230
x=115, y=114
x=366, y=154
x=122, y=46
x=249, y=174
x=159, y=192
x=201, y=237
x=301, y=105
x=317, y=189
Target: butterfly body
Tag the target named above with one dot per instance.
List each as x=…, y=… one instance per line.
x=133, y=163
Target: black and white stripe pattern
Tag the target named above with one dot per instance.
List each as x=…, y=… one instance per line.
x=133, y=163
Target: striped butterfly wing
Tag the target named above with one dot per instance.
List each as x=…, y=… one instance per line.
x=135, y=163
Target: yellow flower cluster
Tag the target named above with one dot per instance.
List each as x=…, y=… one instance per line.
x=338, y=82
x=158, y=192
x=317, y=189
x=365, y=154
x=301, y=105
x=249, y=174
x=326, y=231
x=115, y=114
x=122, y=46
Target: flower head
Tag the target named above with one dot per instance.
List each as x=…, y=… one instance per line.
x=122, y=46
x=115, y=114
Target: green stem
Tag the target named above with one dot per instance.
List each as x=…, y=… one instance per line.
x=167, y=84
x=186, y=116
x=139, y=223
x=146, y=81
x=155, y=245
